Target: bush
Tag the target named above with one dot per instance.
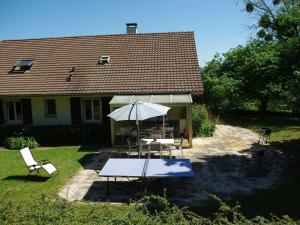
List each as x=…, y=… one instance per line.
x=202, y=125
x=17, y=143
x=207, y=128
x=49, y=211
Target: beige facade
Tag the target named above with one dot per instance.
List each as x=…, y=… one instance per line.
x=40, y=117
x=63, y=116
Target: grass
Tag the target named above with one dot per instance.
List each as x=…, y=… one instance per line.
x=284, y=198
x=14, y=182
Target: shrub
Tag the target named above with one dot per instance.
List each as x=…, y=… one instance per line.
x=202, y=125
x=207, y=128
x=17, y=143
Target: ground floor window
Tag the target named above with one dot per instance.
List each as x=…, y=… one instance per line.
x=50, y=107
x=92, y=110
x=14, y=111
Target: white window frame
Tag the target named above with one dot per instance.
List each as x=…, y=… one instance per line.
x=93, y=120
x=7, y=120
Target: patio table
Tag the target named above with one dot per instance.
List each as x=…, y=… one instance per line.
x=164, y=141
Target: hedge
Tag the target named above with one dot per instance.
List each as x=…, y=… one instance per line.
x=60, y=135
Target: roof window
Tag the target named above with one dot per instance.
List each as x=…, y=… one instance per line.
x=104, y=60
x=22, y=66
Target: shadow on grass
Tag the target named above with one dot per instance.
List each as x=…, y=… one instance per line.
x=250, y=121
x=90, y=148
x=32, y=178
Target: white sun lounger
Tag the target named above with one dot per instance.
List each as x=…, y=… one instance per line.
x=33, y=165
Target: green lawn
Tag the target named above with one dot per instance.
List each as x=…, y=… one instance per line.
x=14, y=182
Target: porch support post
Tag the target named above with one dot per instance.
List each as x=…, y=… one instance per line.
x=189, y=124
x=112, y=128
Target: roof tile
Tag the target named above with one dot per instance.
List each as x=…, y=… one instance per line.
x=139, y=63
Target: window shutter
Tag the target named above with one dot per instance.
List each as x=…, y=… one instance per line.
x=1, y=112
x=105, y=109
x=75, y=110
x=26, y=110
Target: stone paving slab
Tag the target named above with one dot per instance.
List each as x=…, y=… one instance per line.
x=216, y=162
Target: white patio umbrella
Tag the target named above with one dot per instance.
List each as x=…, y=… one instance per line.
x=138, y=111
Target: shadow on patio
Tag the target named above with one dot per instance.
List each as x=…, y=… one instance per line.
x=222, y=173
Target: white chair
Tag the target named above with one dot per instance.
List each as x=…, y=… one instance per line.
x=177, y=147
x=33, y=165
x=169, y=132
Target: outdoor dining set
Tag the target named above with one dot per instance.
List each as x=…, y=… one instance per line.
x=146, y=168
x=154, y=145
x=154, y=140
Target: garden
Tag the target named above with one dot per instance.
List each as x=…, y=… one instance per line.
x=253, y=86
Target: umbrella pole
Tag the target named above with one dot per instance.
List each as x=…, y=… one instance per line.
x=164, y=130
x=137, y=129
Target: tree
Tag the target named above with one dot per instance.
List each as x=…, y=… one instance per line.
x=276, y=19
x=290, y=68
x=221, y=91
x=260, y=72
x=265, y=69
x=245, y=73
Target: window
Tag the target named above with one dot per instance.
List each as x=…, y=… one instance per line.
x=50, y=107
x=14, y=111
x=92, y=110
x=22, y=66
x=104, y=60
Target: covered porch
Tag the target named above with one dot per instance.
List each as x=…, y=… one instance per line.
x=177, y=123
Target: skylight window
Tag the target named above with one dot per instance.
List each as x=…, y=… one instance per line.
x=104, y=60
x=22, y=66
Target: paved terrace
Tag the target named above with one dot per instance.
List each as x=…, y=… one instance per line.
x=225, y=164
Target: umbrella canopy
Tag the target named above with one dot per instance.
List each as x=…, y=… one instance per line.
x=139, y=111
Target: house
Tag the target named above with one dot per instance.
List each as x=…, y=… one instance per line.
x=79, y=80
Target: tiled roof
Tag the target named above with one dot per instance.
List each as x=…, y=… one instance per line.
x=139, y=63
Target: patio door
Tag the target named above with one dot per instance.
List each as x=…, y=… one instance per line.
x=14, y=112
x=92, y=110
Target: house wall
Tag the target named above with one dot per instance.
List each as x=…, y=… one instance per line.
x=63, y=116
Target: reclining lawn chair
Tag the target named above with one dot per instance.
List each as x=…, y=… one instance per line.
x=35, y=166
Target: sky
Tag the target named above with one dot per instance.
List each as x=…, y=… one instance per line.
x=218, y=24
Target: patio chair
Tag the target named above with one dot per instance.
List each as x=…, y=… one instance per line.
x=157, y=136
x=35, y=166
x=178, y=147
x=155, y=147
x=169, y=132
x=132, y=146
